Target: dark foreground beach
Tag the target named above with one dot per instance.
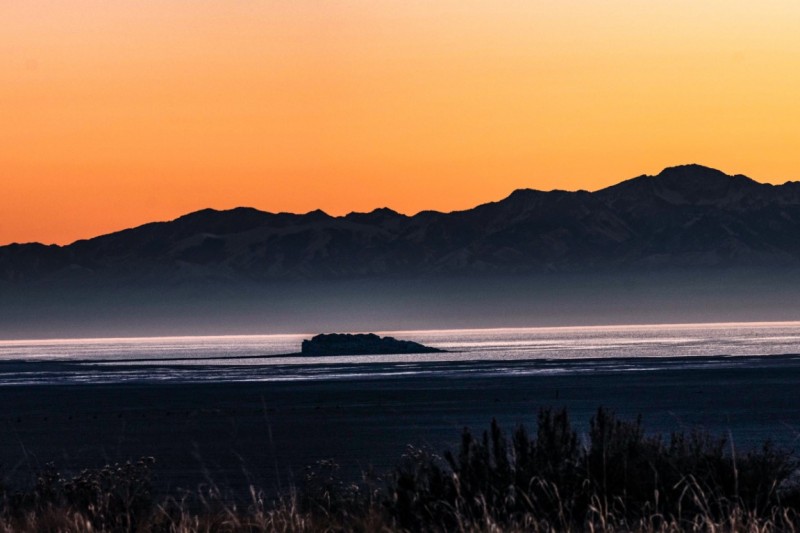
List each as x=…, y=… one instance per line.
x=237, y=434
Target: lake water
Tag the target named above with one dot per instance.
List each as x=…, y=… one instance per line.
x=234, y=410
x=469, y=352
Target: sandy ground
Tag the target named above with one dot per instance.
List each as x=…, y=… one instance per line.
x=235, y=434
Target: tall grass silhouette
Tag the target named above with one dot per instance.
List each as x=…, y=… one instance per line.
x=616, y=477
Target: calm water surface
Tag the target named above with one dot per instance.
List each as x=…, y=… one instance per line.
x=472, y=352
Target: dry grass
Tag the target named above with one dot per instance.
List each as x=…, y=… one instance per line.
x=621, y=480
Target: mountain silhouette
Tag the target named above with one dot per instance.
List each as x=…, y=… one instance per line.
x=687, y=217
x=688, y=244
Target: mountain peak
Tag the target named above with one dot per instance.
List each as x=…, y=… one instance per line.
x=317, y=215
x=376, y=216
x=700, y=184
x=524, y=193
x=384, y=211
x=691, y=169
x=691, y=184
x=699, y=174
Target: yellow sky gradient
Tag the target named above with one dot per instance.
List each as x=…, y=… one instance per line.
x=113, y=114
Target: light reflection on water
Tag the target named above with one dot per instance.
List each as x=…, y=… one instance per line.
x=470, y=352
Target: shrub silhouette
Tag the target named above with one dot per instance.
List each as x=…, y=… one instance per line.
x=616, y=478
x=114, y=498
x=553, y=482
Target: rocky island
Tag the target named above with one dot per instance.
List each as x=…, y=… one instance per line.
x=361, y=344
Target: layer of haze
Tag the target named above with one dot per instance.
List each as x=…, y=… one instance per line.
x=118, y=113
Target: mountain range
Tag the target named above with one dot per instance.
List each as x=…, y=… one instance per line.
x=689, y=244
x=685, y=217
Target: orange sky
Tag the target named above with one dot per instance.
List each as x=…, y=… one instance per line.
x=113, y=114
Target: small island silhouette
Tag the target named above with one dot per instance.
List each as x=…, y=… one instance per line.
x=361, y=344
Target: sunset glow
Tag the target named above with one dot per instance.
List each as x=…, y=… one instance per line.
x=119, y=113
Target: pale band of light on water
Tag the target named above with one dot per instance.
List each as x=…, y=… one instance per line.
x=477, y=351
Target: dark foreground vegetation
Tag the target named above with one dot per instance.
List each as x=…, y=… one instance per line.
x=614, y=478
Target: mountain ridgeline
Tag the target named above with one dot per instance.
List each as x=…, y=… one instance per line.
x=686, y=217
x=688, y=245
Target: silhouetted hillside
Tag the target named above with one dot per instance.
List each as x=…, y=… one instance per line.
x=690, y=244
x=689, y=216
